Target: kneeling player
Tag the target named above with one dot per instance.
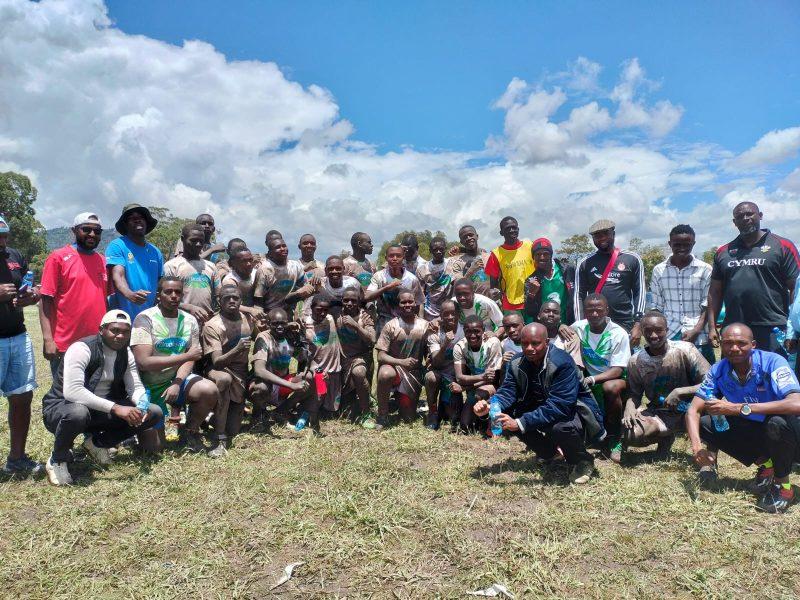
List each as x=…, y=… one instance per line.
x=356, y=329
x=441, y=375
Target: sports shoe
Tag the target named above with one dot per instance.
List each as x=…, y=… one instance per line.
x=762, y=480
x=706, y=476
x=171, y=431
x=24, y=465
x=581, y=473
x=368, y=422
x=218, y=451
x=432, y=421
x=381, y=423
x=57, y=473
x=664, y=446
x=776, y=499
x=193, y=441
x=615, y=452
x=99, y=455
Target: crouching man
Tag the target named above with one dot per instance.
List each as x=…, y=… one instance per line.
x=544, y=403
x=95, y=391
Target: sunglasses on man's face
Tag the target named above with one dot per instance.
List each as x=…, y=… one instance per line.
x=94, y=230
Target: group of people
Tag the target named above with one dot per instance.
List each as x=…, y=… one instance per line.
x=511, y=340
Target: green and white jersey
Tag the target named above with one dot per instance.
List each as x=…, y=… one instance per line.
x=485, y=308
x=488, y=356
x=601, y=351
x=168, y=336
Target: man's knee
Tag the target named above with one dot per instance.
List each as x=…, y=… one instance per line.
x=358, y=373
x=154, y=414
x=777, y=428
x=75, y=414
x=202, y=390
x=613, y=388
x=223, y=380
x=386, y=374
x=431, y=378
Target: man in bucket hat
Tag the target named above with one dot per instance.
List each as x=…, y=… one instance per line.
x=135, y=265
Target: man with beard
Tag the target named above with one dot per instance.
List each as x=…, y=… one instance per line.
x=754, y=276
x=73, y=291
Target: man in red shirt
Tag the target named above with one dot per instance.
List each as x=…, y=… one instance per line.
x=73, y=290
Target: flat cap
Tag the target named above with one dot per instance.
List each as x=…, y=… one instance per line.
x=601, y=225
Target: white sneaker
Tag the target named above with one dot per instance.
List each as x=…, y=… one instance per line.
x=57, y=473
x=100, y=455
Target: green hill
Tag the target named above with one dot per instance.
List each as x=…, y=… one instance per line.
x=58, y=237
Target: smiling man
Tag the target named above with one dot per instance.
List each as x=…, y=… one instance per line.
x=74, y=283
x=510, y=264
x=199, y=276
x=751, y=401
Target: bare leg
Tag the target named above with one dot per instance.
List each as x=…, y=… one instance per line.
x=19, y=421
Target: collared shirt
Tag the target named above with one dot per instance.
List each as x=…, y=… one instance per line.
x=681, y=294
x=770, y=379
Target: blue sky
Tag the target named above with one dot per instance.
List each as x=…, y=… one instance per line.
x=380, y=117
x=426, y=73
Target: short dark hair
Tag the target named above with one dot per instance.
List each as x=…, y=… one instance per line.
x=682, y=230
x=228, y=289
x=355, y=238
x=654, y=314
x=474, y=319
x=437, y=240
x=167, y=279
x=405, y=290
x=506, y=220
x=237, y=252
x=201, y=215
x=410, y=239
x=463, y=281
x=320, y=298
x=398, y=246
x=595, y=298
x=463, y=227
x=333, y=257
x=448, y=301
x=189, y=228
x=233, y=242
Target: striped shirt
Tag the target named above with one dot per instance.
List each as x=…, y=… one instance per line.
x=681, y=294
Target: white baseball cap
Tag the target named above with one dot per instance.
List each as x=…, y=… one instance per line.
x=86, y=217
x=115, y=316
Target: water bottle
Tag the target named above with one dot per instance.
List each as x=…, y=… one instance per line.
x=301, y=422
x=780, y=336
x=494, y=410
x=683, y=406
x=144, y=402
x=720, y=423
x=661, y=400
x=27, y=283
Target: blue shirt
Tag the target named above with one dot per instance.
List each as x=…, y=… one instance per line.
x=144, y=266
x=770, y=379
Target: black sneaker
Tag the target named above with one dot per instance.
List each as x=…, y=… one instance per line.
x=432, y=421
x=664, y=446
x=194, y=441
x=707, y=476
x=24, y=465
x=762, y=482
x=381, y=423
x=581, y=473
x=776, y=499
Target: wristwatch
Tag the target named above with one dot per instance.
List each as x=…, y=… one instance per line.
x=745, y=410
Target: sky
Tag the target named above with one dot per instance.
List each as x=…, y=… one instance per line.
x=338, y=117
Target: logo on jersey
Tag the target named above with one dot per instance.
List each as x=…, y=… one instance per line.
x=621, y=267
x=765, y=249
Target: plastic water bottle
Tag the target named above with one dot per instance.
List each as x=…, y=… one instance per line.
x=301, y=422
x=27, y=282
x=780, y=336
x=494, y=410
x=720, y=423
x=661, y=400
x=144, y=402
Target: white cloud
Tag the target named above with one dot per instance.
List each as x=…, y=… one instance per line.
x=773, y=147
x=99, y=118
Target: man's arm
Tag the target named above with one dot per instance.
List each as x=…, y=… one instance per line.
x=46, y=311
x=507, y=394
x=579, y=290
x=76, y=359
x=714, y=303
x=607, y=375
x=148, y=362
x=560, y=402
x=464, y=380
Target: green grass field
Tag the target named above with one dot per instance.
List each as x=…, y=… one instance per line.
x=409, y=513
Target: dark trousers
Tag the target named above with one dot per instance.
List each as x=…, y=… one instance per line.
x=777, y=438
x=567, y=435
x=765, y=339
x=66, y=420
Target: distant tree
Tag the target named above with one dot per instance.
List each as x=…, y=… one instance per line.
x=17, y=196
x=651, y=255
x=708, y=255
x=575, y=247
x=423, y=237
x=168, y=231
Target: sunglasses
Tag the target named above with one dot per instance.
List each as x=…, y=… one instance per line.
x=94, y=230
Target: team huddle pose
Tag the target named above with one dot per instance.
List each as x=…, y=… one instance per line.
x=512, y=341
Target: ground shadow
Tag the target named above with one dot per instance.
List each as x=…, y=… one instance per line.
x=634, y=459
x=556, y=474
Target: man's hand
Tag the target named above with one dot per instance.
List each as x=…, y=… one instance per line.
x=194, y=353
x=790, y=345
x=244, y=345
x=316, y=282
x=171, y=393
x=49, y=350
x=690, y=336
x=293, y=327
x=672, y=399
x=507, y=423
x=262, y=321
x=7, y=292
x=481, y=408
x=138, y=297
x=508, y=356
x=488, y=375
x=454, y=251
x=27, y=298
x=201, y=314
x=588, y=382
x=631, y=417
x=713, y=336
x=534, y=287
x=722, y=407
x=567, y=333
x=347, y=321
x=704, y=458
x=130, y=414
x=409, y=363
x=636, y=335
x=299, y=386
x=489, y=334
x=456, y=389
x=394, y=284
